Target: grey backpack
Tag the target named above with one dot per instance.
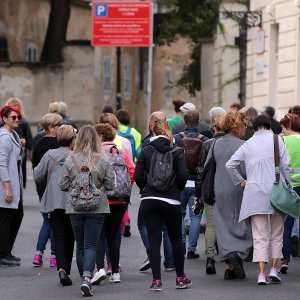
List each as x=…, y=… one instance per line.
x=85, y=196
x=161, y=173
x=122, y=188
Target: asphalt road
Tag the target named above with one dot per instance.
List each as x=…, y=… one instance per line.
x=28, y=282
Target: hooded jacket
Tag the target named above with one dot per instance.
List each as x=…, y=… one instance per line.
x=49, y=169
x=161, y=144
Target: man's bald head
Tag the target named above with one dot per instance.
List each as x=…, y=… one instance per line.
x=156, y=116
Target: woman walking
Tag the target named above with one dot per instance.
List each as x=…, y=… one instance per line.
x=11, y=188
x=234, y=237
x=117, y=205
x=86, y=175
x=53, y=202
x=258, y=156
x=162, y=206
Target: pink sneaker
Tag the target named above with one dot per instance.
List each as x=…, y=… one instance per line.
x=38, y=260
x=52, y=262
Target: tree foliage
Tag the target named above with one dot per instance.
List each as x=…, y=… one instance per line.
x=194, y=20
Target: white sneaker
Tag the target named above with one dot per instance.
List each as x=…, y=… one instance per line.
x=273, y=276
x=98, y=277
x=115, y=278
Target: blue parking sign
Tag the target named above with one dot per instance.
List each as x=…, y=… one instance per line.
x=101, y=10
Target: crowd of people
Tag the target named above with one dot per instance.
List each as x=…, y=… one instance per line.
x=186, y=170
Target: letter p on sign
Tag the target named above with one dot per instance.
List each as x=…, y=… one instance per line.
x=101, y=10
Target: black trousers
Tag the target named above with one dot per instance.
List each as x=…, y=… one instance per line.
x=109, y=232
x=64, y=239
x=10, y=222
x=156, y=213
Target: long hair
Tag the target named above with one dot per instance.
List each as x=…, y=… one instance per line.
x=87, y=143
x=162, y=128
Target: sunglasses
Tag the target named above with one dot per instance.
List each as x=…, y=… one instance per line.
x=14, y=118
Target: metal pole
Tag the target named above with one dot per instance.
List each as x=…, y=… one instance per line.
x=150, y=62
x=118, y=83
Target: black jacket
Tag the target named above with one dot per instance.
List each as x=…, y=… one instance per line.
x=143, y=165
x=201, y=172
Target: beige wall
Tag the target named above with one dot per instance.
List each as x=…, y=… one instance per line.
x=278, y=84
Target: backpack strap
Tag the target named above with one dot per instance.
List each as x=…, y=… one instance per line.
x=128, y=131
x=78, y=168
x=200, y=136
x=276, y=158
x=182, y=134
x=112, y=148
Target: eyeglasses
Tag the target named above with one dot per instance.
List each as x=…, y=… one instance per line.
x=15, y=118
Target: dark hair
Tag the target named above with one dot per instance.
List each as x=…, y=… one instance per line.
x=270, y=112
x=107, y=109
x=295, y=110
x=123, y=116
x=191, y=118
x=6, y=110
x=235, y=106
x=177, y=104
x=291, y=121
x=262, y=121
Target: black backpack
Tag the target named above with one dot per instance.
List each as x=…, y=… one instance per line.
x=161, y=173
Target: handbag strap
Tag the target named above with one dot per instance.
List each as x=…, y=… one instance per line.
x=276, y=158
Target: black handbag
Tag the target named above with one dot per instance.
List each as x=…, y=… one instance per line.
x=207, y=189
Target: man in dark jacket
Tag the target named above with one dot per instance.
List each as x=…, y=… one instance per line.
x=191, y=120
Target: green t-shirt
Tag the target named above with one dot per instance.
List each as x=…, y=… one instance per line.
x=173, y=121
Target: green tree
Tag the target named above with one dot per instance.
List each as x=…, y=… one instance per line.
x=194, y=20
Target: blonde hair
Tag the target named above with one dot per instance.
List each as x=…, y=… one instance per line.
x=51, y=119
x=87, y=143
x=162, y=128
x=15, y=102
x=54, y=107
x=109, y=118
x=65, y=135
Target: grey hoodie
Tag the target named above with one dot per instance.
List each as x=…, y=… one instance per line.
x=50, y=168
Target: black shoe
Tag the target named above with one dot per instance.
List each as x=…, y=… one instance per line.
x=237, y=263
x=229, y=274
x=127, y=232
x=7, y=261
x=210, y=266
x=294, y=246
x=64, y=278
x=192, y=255
x=16, y=258
x=145, y=266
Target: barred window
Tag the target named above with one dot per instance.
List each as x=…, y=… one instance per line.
x=31, y=53
x=3, y=49
x=106, y=75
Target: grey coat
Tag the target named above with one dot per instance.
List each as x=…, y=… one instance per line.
x=10, y=155
x=50, y=168
x=103, y=174
x=232, y=235
x=258, y=155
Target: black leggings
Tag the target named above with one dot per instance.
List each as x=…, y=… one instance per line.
x=156, y=213
x=109, y=232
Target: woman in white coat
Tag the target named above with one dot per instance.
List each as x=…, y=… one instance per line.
x=11, y=207
x=258, y=155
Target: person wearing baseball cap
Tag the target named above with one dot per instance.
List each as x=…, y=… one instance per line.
x=187, y=107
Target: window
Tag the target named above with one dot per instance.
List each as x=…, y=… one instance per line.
x=127, y=79
x=168, y=85
x=3, y=49
x=106, y=75
x=31, y=53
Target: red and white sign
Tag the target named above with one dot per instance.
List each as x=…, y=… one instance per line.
x=121, y=24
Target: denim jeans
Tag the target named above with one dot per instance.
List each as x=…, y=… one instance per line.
x=168, y=253
x=44, y=235
x=87, y=229
x=286, y=249
x=187, y=199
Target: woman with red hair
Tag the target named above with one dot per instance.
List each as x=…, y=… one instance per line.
x=11, y=206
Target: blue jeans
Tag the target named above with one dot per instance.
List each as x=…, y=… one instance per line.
x=187, y=199
x=44, y=235
x=87, y=229
x=168, y=253
x=286, y=249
